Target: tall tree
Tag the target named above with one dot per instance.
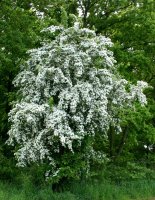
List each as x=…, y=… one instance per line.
x=70, y=91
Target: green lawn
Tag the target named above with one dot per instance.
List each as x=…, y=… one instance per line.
x=81, y=191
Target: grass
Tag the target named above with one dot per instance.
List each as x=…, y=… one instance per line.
x=104, y=190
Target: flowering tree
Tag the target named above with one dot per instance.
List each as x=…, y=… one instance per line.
x=69, y=90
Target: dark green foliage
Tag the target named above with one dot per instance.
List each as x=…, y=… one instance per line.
x=18, y=34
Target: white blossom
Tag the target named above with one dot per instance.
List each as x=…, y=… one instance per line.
x=69, y=89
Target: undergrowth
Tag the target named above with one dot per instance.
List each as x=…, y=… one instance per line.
x=84, y=190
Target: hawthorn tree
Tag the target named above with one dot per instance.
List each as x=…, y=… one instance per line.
x=70, y=93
